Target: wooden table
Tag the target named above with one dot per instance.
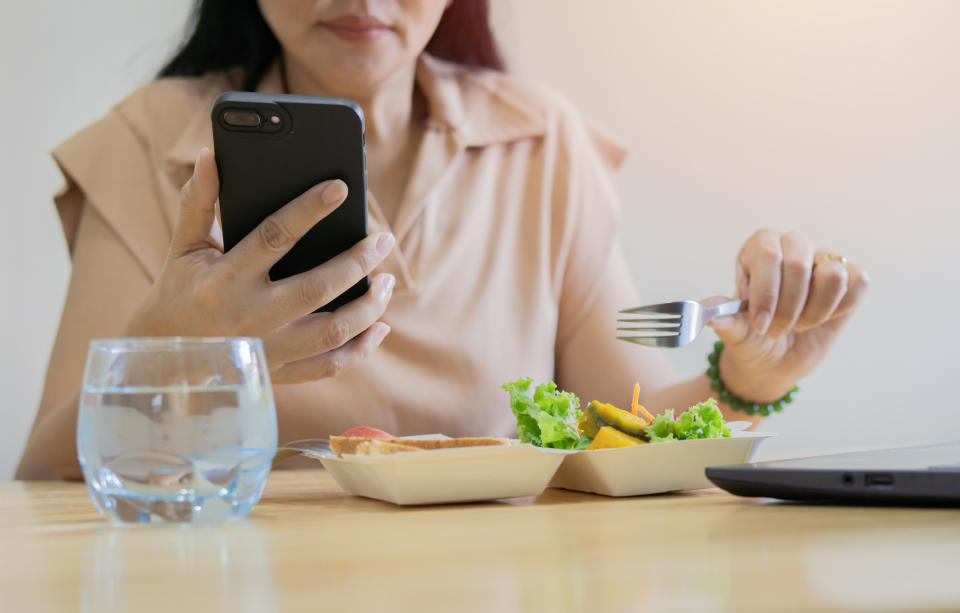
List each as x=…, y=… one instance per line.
x=308, y=546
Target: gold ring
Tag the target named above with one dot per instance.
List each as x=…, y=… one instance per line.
x=832, y=257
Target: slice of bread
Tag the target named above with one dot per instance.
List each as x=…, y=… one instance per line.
x=377, y=446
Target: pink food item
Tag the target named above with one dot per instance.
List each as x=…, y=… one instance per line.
x=367, y=432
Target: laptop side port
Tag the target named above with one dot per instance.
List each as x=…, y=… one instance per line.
x=879, y=480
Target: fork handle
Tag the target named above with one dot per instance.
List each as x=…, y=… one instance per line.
x=723, y=309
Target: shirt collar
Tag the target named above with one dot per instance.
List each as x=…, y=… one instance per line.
x=469, y=103
x=466, y=102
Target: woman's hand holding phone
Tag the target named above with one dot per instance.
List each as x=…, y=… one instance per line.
x=202, y=291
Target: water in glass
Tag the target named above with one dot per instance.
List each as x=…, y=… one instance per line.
x=176, y=429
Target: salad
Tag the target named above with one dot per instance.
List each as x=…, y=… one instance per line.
x=545, y=417
x=548, y=417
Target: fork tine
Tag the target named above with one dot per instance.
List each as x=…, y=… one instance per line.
x=659, y=323
x=644, y=333
x=651, y=341
x=651, y=332
x=667, y=309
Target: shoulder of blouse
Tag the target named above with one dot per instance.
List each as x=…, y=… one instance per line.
x=162, y=110
x=566, y=119
x=155, y=115
x=490, y=107
x=117, y=164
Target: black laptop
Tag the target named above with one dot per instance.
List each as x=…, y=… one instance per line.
x=920, y=475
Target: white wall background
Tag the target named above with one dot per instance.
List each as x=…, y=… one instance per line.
x=62, y=65
x=835, y=117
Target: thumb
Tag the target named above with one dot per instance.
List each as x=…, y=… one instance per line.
x=732, y=329
x=197, y=200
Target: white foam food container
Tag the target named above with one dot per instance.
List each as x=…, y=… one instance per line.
x=462, y=474
x=653, y=468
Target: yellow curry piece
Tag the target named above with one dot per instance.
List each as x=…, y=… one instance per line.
x=608, y=437
x=599, y=414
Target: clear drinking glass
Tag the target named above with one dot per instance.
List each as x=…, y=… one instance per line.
x=176, y=429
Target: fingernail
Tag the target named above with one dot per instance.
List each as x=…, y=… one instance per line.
x=387, y=286
x=196, y=164
x=385, y=243
x=761, y=322
x=382, y=332
x=334, y=193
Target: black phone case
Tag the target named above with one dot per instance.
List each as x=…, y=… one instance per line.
x=263, y=168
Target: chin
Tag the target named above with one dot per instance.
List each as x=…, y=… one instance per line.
x=354, y=72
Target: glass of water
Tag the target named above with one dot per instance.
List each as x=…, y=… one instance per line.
x=176, y=429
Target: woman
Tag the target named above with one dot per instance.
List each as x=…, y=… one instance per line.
x=493, y=222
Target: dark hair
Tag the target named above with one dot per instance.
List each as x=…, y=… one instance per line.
x=232, y=33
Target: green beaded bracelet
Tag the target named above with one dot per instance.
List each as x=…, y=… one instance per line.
x=738, y=404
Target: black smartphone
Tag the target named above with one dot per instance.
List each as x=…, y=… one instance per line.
x=270, y=148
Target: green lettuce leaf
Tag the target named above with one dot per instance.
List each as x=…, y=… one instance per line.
x=663, y=428
x=546, y=418
x=702, y=420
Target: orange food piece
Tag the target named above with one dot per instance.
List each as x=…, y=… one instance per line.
x=609, y=437
x=636, y=406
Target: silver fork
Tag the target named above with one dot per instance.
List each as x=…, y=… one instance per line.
x=309, y=446
x=673, y=324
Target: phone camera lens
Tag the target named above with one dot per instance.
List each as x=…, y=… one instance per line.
x=241, y=119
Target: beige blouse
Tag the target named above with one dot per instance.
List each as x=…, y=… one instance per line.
x=505, y=252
